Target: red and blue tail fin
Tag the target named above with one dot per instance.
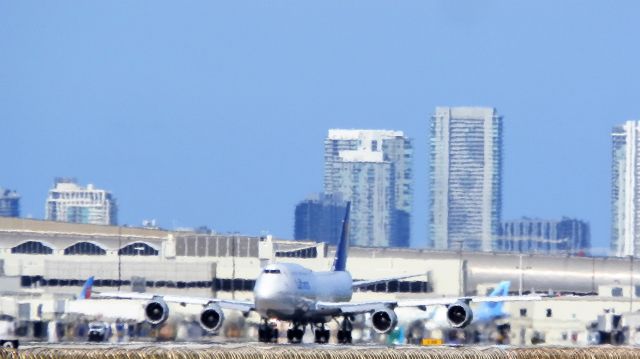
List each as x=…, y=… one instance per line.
x=340, y=261
x=85, y=293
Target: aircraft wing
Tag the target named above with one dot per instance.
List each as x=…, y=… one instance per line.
x=371, y=306
x=364, y=283
x=243, y=306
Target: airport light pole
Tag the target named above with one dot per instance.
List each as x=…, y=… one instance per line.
x=631, y=291
x=119, y=257
x=521, y=276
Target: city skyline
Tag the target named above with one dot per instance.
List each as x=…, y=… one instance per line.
x=215, y=113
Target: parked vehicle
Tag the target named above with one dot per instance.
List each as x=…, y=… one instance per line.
x=99, y=331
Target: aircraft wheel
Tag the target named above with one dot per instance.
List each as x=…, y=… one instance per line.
x=267, y=334
x=344, y=337
x=322, y=336
x=295, y=335
x=8, y=344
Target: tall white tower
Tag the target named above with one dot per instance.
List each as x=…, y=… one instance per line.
x=625, y=234
x=465, y=177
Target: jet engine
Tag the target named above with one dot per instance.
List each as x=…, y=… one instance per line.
x=459, y=315
x=384, y=320
x=156, y=311
x=211, y=317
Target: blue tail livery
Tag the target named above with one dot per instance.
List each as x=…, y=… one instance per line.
x=85, y=293
x=340, y=261
x=494, y=310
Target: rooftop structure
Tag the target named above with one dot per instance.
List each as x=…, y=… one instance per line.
x=372, y=170
x=465, y=177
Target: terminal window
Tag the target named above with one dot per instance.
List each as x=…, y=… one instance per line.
x=32, y=247
x=85, y=248
x=616, y=292
x=138, y=249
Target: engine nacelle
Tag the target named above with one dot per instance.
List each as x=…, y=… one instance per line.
x=459, y=315
x=156, y=311
x=383, y=321
x=211, y=317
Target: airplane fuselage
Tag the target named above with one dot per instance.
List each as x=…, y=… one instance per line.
x=288, y=291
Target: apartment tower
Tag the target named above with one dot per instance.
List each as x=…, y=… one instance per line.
x=372, y=170
x=465, y=152
x=70, y=202
x=625, y=199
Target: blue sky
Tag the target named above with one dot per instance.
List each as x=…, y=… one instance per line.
x=214, y=113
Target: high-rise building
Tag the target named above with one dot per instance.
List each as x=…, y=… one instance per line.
x=9, y=203
x=319, y=218
x=70, y=202
x=625, y=194
x=465, y=177
x=372, y=170
x=532, y=235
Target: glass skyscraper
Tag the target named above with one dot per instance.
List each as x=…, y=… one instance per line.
x=9, y=203
x=372, y=170
x=549, y=236
x=625, y=174
x=319, y=218
x=465, y=152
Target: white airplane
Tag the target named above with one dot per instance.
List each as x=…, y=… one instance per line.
x=291, y=292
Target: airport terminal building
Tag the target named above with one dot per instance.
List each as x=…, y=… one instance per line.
x=47, y=262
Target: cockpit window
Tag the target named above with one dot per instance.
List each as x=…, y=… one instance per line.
x=272, y=271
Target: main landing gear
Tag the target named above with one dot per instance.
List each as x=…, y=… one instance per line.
x=267, y=333
x=295, y=334
x=321, y=334
x=344, y=334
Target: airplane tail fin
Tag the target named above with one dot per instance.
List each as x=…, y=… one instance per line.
x=85, y=293
x=495, y=309
x=340, y=261
x=501, y=290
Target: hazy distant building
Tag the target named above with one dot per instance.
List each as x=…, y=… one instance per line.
x=9, y=203
x=319, y=218
x=69, y=202
x=465, y=177
x=372, y=170
x=625, y=199
x=533, y=235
